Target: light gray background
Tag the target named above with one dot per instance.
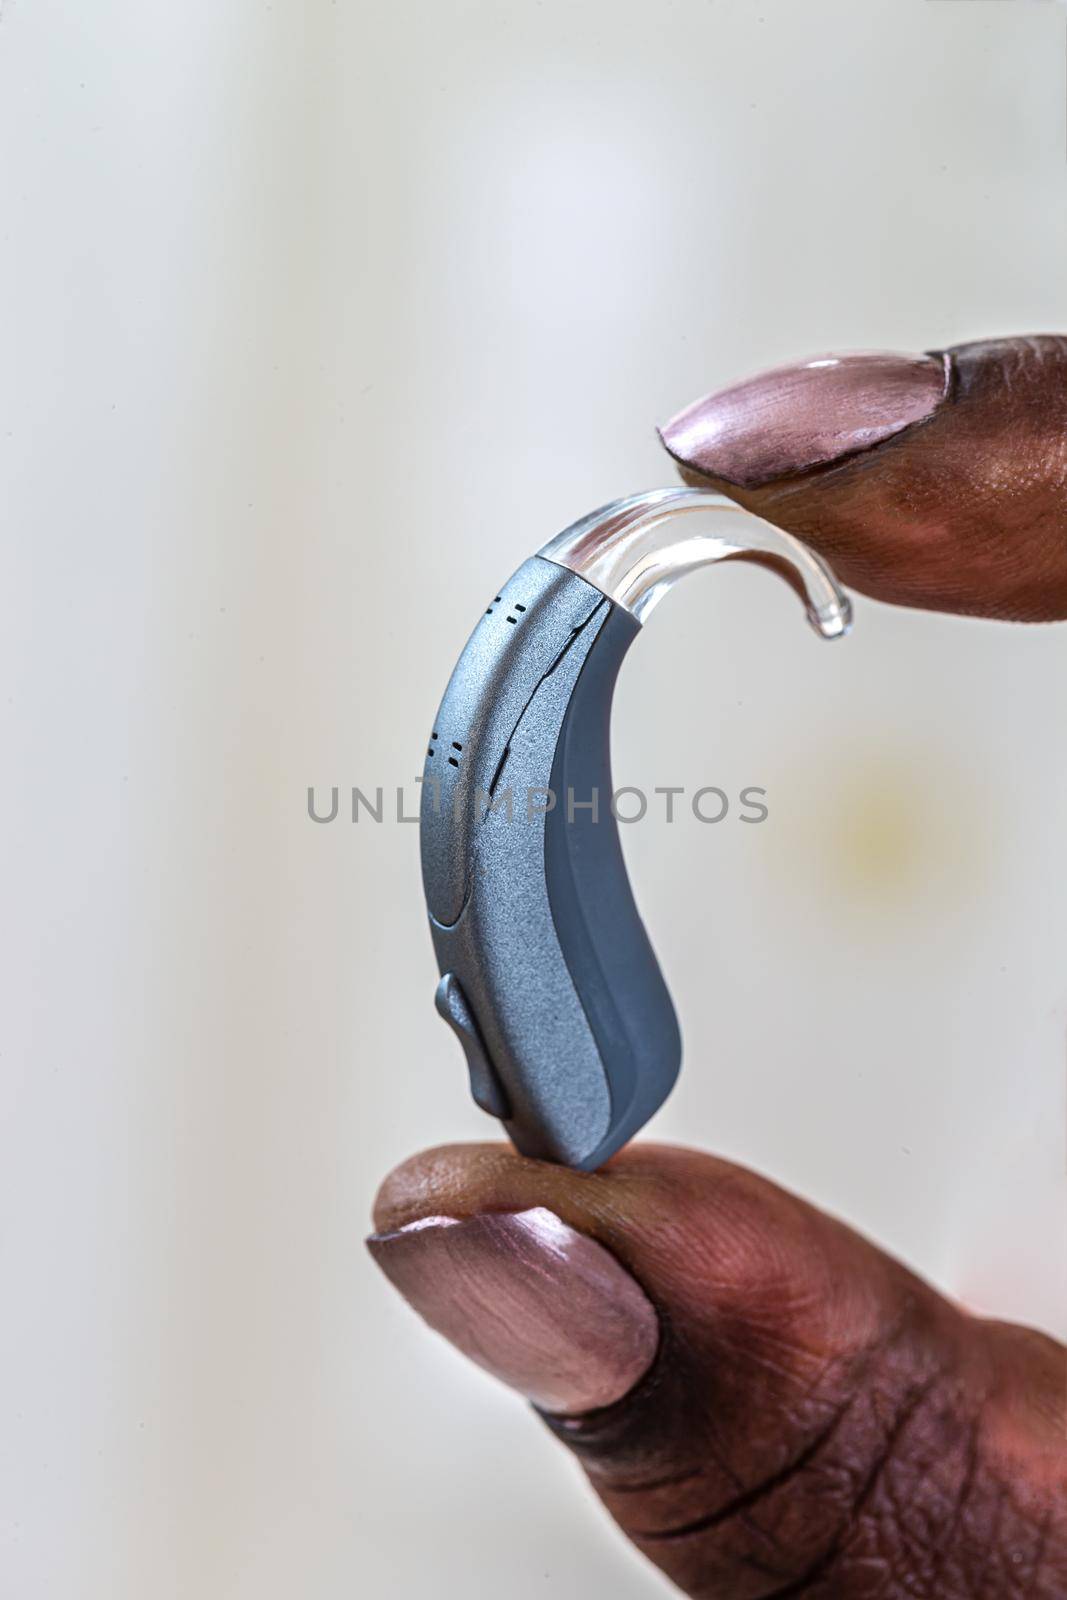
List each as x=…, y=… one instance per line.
x=318, y=318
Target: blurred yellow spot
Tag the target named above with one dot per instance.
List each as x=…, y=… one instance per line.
x=888, y=828
x=900, y=836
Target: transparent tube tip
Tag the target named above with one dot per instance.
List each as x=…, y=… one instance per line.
x=832, y=619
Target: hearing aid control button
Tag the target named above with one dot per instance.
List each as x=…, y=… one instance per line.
x=486, y=1088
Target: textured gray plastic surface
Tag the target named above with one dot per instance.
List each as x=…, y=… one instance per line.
x=523, y=632
x=605, y=945
x=530, y=908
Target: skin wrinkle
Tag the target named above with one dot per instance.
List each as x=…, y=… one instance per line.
x=759, y=1534
x=1028, y=1580
x=902, y=1483
x=970, y=1471
x=953, y=1572
x=758, y=1492
x=673, y=1480
x=880, y=1476
x=919, y=1519
x=1039, y=1557
x=895, y=1506
x=838, y=1551
x=992, y=1553
x=740, y=1480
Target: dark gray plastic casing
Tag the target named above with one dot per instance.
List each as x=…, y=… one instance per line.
x=548, y=976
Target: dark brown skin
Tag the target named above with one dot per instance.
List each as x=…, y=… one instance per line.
x=965, y=512
x=819, y=1423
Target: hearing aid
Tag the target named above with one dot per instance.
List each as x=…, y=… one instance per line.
x=548, y=978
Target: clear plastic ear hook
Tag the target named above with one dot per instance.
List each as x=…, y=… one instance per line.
x=634, y=550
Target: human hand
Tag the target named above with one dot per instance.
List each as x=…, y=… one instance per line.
x=768, y=1405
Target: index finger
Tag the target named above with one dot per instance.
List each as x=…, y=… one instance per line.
x=936, y=480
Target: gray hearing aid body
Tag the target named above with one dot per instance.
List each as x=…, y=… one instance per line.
x=548, y=977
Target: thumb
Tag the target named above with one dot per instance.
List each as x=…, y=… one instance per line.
x=768, y=1405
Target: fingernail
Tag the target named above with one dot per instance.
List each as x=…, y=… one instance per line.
x=545, y=1309
x=801, y=416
